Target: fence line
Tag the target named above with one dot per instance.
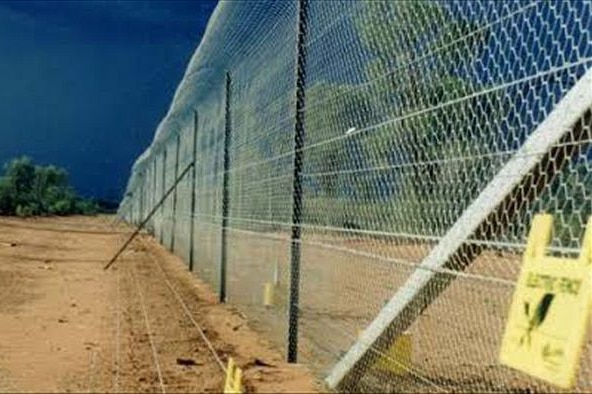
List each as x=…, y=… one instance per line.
x=360, y=158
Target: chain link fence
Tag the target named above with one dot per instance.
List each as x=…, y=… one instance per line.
x=365, y=175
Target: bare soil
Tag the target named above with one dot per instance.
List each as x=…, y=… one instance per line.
x=67, y=325
x=345, y=281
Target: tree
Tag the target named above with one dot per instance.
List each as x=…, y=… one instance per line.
x=29, y=190
x=19, y=181
x=327, y=123
x=415, y=153
x=432, y=133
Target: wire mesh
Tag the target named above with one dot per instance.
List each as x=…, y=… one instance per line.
x=412, y=109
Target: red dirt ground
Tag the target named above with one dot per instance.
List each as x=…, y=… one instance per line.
x=66, y=325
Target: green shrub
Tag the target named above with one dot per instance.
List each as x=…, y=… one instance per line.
x=30, y=190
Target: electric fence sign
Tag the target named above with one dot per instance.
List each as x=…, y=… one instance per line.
x=550, y=310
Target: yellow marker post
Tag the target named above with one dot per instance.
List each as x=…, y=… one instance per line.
x=397, y=359
x=550, y=309
x=234, y=376
x=268, y=294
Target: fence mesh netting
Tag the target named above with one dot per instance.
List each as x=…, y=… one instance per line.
x=413, y=111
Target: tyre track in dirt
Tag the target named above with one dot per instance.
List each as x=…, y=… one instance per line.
x=69, y=325
x=164, y=353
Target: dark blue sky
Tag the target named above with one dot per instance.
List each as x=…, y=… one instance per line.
x=83, y=84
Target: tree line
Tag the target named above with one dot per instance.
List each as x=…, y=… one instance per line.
x=27, y=189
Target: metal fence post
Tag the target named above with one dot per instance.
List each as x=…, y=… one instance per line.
x=163, y=188
x=225, y=194
x=144, y=220
x=193, y=195
x=135, y=208
x=153, y=194
x=132, y=206
x=141, y=197
x=299, y=135
x=130, y=211
x=147, y=180
x=175, y=193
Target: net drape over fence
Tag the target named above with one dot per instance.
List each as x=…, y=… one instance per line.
x=416, y=116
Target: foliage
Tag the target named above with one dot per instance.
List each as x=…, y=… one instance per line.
x=402, y=155
x=326, y=123
x=420, y=65
x=31, y=190
x=404, y=151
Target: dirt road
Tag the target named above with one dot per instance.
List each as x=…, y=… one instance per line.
x=147, y=325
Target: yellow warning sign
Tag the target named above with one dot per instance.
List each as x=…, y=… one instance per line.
x=549, y=315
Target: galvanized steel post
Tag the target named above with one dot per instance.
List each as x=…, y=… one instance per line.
x=225, y=194
x=299, y=135
x=163, y=188
x=193, y=195
x=175, y=194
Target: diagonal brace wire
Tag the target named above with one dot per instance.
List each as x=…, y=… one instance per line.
x=147, y=219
